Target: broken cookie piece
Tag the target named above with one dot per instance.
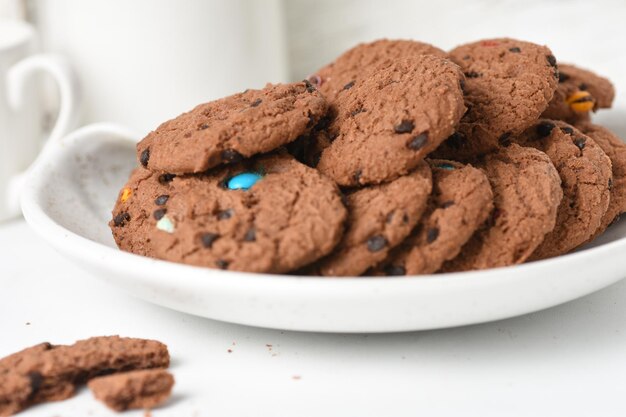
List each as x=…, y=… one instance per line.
x=136, y=389
x=46, y=372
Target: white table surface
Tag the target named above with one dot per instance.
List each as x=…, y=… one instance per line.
x=568, y=360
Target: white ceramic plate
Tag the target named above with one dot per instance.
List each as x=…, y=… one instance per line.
x=71, y=190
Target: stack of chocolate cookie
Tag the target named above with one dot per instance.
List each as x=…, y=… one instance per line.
x=396, y=159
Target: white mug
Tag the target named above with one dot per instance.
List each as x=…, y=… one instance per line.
x=141, y=62
x=21, y=133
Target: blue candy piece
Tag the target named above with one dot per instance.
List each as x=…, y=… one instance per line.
x=243, y=181
x=445, y=166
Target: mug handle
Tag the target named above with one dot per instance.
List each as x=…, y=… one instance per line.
x=61, y=72
x=18, y=76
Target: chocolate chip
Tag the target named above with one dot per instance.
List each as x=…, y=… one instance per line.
x=161, y=200
x=418, y=141
x=568, y=130
x=221, y=264
x=583, y=87
x=580, y=143
x=256, y=102
x=432, y=234
x=309, y=87
x=120, y=219
x=311, y=121
x=551, y=60
x=389, y=217
x=610, y=183
x=405, y=218
x=207, y=239
x=394, y=270
x=405, y=126
x=376, y=243
x=447, y=204
x=357, y=175
x=203, y=126
x=462, y=84
x=544, y=129
x=505, y=139
x=349, y=85
x=225, y=214
x=563, y=77
x=159, y=213
x=165, y=178
x=472, y=74
x=231, y=156
x=144, y=157
x=250, y=235
x=515, y=50
x=456, y=140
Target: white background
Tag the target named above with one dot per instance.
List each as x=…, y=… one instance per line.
x=590, y=33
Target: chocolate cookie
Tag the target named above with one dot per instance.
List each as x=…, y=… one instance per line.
x=460, y=203
x=51, y=373
x=235, y=127
x=379, y=218
x=585, y=173
x=130, y=390
x=268, y=214
x=527, y=192
x=579, y=92
x=388, y=120
x=348, y=68
x=509, y=83
x=615, y=149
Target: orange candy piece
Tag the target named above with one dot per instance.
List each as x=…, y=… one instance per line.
x=581, y=101
x=126, y=193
